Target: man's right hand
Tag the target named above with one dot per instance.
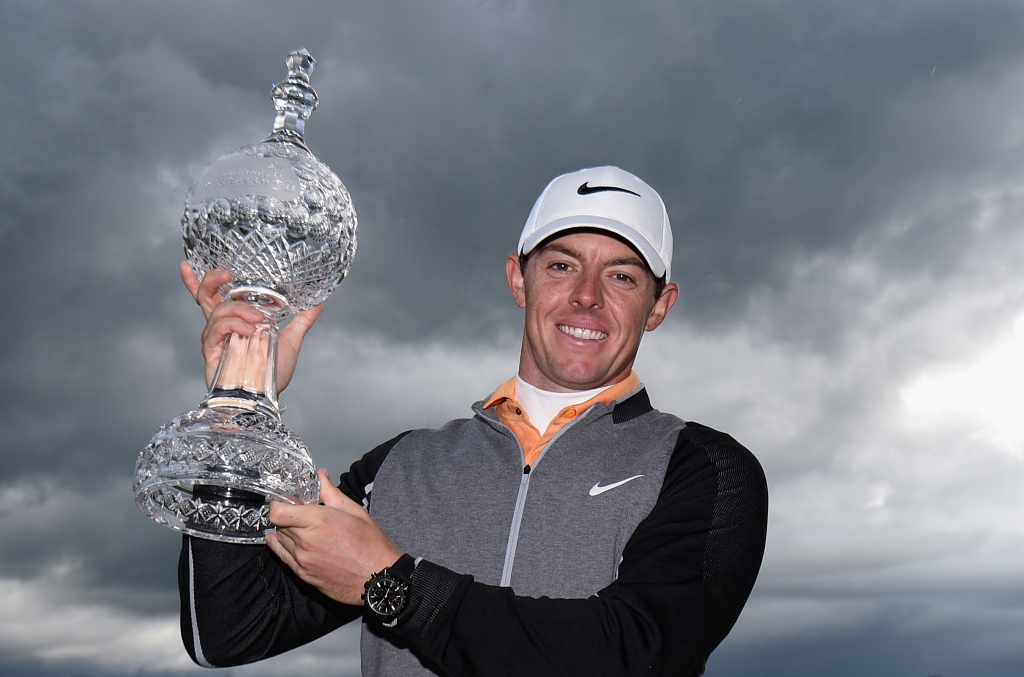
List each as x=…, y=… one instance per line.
x=237, y=317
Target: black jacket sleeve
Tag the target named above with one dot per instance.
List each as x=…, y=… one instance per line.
x=240, y=603
x=684, y=577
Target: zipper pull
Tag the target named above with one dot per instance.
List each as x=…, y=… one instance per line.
x=526, y=470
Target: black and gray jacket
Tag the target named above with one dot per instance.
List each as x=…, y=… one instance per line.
x=629, y=548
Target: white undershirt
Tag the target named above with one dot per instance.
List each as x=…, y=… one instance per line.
x=543, y=405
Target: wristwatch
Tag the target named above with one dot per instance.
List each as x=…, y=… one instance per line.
x=386, y=594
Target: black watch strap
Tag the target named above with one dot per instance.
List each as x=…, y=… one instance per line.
x=403, y=568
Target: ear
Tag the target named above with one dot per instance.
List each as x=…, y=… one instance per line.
x=668, y=298
x=515, y=279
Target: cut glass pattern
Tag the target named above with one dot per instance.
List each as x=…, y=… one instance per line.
x=238, y=459
x=298, y=241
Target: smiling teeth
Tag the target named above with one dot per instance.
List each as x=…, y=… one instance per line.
x=585, y=334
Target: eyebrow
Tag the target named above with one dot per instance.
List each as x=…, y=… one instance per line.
x=562, y=249
x=570, y=252
x=629, y=261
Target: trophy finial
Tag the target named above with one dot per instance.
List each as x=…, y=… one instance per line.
x=301, y=64
x=294, y=99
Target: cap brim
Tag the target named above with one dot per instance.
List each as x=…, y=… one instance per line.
x=626, y=231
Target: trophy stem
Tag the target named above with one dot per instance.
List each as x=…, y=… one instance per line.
x=247, y=375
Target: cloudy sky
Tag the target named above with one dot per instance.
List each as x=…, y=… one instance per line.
x=846, y=185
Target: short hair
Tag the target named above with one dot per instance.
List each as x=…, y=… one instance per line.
x=659, y=282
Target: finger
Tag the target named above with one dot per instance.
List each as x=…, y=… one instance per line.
x=234, y=317
x=285, y=515
x=256, y=366
x=277, y=546
x=287, y=540
x=239, y=309
x=332, y=497
x=208, y=295
x=188, y=276
x=227, y=338
x=220, y=328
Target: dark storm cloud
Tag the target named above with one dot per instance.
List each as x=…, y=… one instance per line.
x=834, y=171
x=756, y=127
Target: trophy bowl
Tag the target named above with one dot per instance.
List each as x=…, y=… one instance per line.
x=296, y=237
x=282, y=222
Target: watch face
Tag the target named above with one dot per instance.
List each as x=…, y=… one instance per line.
x=385, y=596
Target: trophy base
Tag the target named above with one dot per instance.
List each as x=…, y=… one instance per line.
x=212, y=473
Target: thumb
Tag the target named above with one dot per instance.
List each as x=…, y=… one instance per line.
x=301, y=323
x=307, y=317
x=330, y=495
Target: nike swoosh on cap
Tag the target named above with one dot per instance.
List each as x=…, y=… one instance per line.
x=598, y=489
x=586, y=189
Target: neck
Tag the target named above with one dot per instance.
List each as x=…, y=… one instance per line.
x=531, y=372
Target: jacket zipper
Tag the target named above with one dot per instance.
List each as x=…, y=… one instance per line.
x=524, y=487
x=513, y=534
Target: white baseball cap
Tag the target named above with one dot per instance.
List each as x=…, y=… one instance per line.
x=608, y=198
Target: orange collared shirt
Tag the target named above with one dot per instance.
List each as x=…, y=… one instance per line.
x=530, y=439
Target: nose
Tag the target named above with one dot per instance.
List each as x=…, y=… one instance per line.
x=587, y=293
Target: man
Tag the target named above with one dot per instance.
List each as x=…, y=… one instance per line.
x=566, y=528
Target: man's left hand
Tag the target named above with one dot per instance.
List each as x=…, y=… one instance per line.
x=335, y=546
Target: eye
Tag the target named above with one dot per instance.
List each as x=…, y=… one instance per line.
x=623, y=277
x=560, y=266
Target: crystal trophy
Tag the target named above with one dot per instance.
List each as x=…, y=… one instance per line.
x=282, y=222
